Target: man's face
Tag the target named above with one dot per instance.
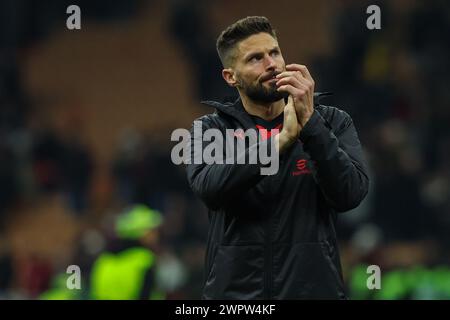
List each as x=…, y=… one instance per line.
x=258, y=61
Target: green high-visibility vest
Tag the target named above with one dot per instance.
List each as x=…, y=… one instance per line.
x=121, y=276
x=59, y=294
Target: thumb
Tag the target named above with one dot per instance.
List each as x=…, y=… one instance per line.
x=289, y=111
x=290, y=100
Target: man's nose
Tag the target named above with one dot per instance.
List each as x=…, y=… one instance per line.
x=270, y=63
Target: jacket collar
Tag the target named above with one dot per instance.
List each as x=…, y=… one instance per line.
x=236, y=110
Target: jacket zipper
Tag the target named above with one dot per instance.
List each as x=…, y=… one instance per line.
x=268, y=293
x=268, y=263
x=268, y=286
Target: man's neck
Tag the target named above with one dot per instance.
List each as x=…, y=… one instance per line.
x=267, y=111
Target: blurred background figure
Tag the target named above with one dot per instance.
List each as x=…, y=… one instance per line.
x=58, y=289
x=127, y=271
x=86, y=117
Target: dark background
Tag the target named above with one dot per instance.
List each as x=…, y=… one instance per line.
x=86, y=117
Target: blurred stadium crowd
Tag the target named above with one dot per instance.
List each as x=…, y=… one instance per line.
x=59, y=199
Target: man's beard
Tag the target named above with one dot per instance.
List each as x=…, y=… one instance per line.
x=259, y=93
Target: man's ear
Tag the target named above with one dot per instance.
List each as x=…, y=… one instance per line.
x=229, y=76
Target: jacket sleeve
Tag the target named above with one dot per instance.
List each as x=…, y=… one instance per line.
x=218, y=183
x=340, y=168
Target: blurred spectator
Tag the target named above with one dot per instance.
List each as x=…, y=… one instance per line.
x=128, y=270
x=8, y=186
x=48, y=153
x=78, y=167
x=34, y=274
x=189, y=25
x=6, y=270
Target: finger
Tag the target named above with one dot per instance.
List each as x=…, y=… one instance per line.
x=293, y=82
x=286, y=74
x=291, y=100
x=289, y=89
x=301, y=68
x=290, y=114
x=289, y=107
x=298, y=75
x=307, y=98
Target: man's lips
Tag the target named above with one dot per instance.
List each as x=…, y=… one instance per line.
x=270, y=78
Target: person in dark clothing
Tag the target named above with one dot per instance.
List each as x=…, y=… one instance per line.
x=273, y=236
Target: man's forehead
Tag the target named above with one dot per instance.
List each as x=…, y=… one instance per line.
x=257, y=42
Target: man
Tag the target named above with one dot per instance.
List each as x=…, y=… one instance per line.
x=273, y=236
x=128, y=271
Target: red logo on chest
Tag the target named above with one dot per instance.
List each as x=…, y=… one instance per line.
x=301, y=167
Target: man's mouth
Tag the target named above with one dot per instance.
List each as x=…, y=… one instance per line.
x=270, y=78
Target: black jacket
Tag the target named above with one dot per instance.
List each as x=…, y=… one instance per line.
x=273, y=237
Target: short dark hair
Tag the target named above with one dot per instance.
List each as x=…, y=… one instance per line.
x=238, y=31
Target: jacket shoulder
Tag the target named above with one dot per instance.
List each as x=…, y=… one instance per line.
x=210, y=120
x=337, y=118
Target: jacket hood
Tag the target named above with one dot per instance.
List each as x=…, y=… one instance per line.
x=223, y=105
x=231, y=108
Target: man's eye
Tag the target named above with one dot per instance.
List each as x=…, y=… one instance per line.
x=254, y=59
x=275, y=53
